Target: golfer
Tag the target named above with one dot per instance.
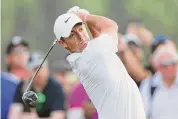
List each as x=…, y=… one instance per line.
x=101, y=72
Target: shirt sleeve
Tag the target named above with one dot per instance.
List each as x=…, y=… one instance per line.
x=104, y=43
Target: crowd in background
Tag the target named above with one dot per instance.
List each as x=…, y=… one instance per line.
x=60, y=94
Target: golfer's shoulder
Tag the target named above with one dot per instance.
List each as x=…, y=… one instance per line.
x=104, y=36
x=101, y=40
x=105, y=42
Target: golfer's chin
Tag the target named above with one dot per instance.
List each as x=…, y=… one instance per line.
x=82, y=47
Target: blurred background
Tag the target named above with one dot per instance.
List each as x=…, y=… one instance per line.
x=34, y=19
x=148, y=40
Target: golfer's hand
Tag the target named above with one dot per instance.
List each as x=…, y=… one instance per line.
x=73, y=9
x=82, y=13
x=77, y=9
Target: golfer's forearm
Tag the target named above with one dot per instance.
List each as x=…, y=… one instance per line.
x=101, y=24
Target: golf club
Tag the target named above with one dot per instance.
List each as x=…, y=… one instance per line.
x=29, y=97
x=88, y=30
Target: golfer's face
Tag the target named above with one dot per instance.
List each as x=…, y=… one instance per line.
x=78, y=39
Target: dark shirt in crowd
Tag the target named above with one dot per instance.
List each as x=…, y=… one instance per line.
x=50, y=99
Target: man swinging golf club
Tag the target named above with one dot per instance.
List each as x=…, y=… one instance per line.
x=104, y=77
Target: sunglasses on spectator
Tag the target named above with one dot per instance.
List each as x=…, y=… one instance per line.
x=168, y=63
x=19, y=50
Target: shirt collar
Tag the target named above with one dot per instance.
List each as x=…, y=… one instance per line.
x=73, y=57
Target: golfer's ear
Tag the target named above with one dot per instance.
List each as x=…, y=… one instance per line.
x=62, y=43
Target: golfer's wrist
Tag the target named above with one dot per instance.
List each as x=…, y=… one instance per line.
x=81, y=16
x=85, y=18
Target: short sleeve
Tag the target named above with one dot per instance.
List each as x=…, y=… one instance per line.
x=104, y=43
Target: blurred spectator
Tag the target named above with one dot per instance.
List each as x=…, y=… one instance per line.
x=160, y=92
x=145, y=35
x=8, y=86
x=135, y=45
x=17, y=56
x=133, y=27
x=157, y=42
x=64, y=75
x=137, y=27
x=131, y=62
x=80, y=106
x=50, y=93
x=71, y=81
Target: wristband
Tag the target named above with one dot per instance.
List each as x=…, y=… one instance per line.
x=85, y=18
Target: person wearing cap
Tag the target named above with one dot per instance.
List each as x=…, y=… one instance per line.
x=133, y=26
x=131, y=53
x=105, y=79
x=156, y=43
x=8, y=86
x=50, y=93
x=137, y=27
x=135, y=45
x=17, y=56
x=160, y=92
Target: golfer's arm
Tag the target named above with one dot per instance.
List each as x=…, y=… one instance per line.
x=100, y=24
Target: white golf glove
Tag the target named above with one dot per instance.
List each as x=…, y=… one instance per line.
x=77, y=9
x=74, y=9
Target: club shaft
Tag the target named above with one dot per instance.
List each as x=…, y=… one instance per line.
x=88, y=30
x=41, y=65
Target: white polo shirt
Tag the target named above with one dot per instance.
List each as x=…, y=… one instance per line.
x=106, y=81
x=164, y=102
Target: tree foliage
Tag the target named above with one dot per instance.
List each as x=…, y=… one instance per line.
x=159, y=15
x=94, y=6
